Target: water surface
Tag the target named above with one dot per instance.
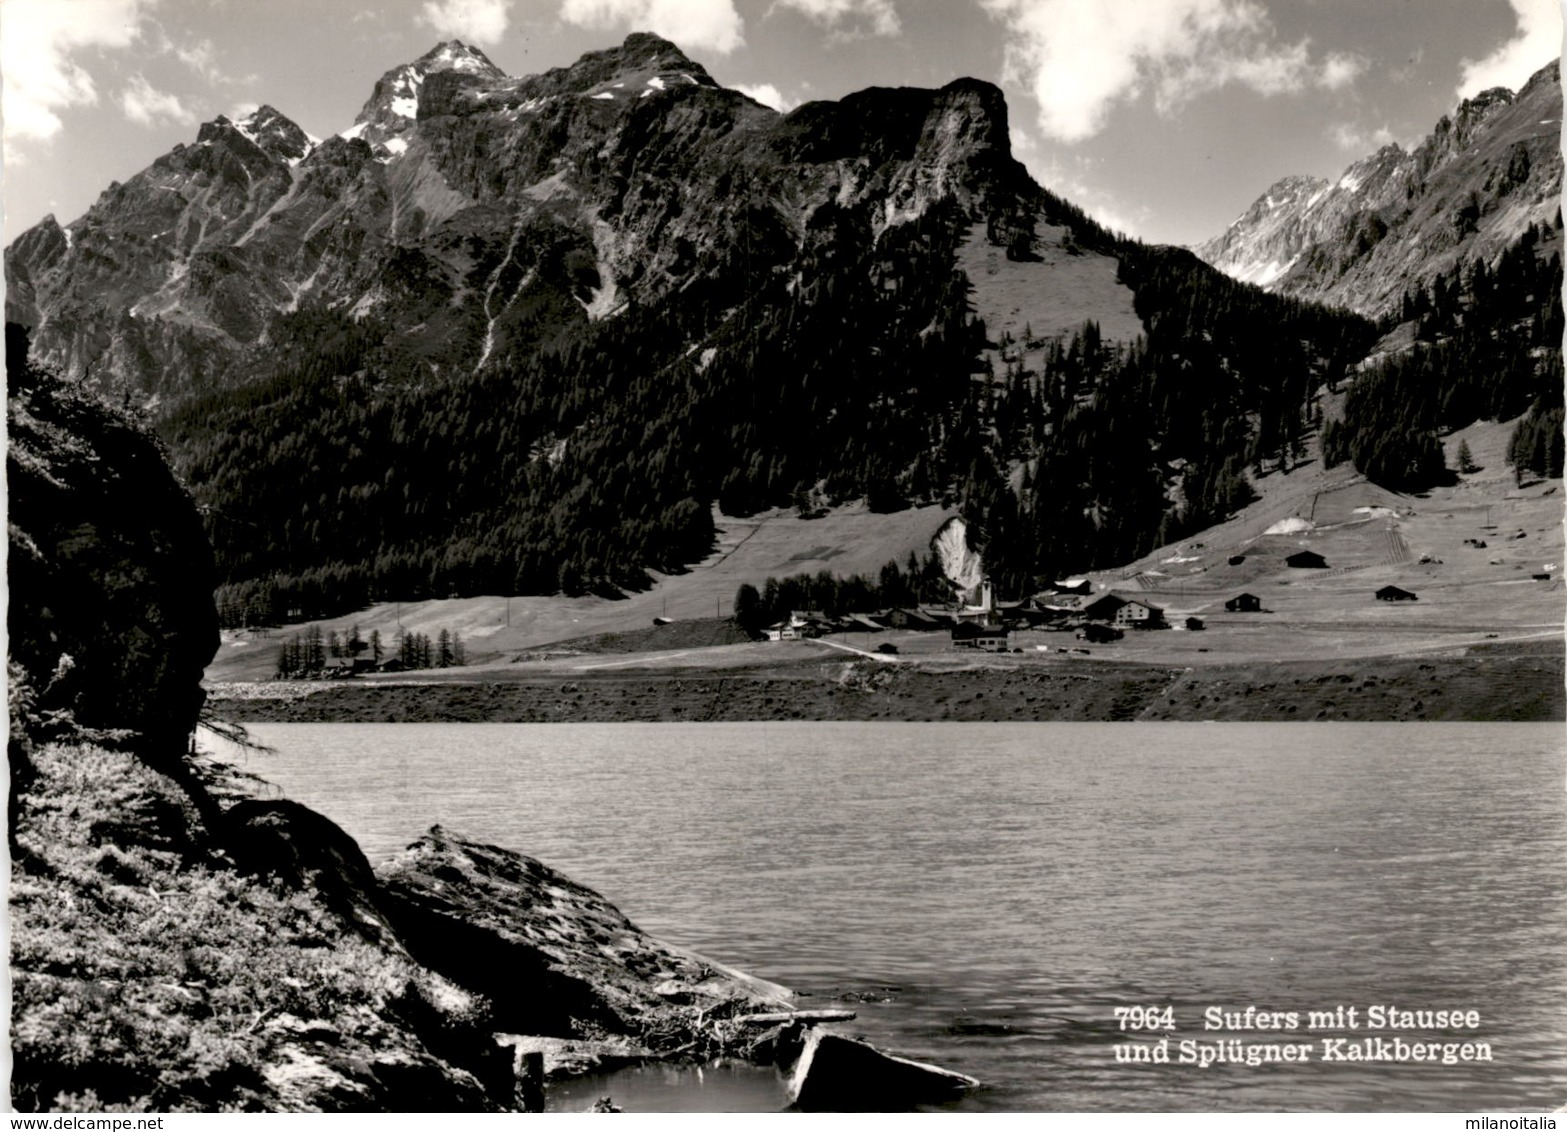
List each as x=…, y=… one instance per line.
x=987, y=894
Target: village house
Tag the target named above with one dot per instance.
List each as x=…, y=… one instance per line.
x=799, y=625
x=907, y=619
x=1244, y=603
x=1124, y=611
x=1060, y=603
x=1098, y=634
x=987, y=638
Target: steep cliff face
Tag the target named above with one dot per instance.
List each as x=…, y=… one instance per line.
x=1399, y=218
x=110, y=573
x=477, y=210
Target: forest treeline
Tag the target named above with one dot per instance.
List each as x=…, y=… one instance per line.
x=804, y=370
x=309, y=654
x=1487, y=346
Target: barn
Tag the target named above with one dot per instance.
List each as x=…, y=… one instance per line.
x=1393, y=593
x=1306, y=560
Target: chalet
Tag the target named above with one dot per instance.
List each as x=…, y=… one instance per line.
x=907, y=619
x=1393, y=593
x=798, y=626
x=1032, y=616
x=1061, y=602
x=1103, y=608
x=337, y=666
x=1244, y=603
x=1306, y=560
x=1140, y=615
x=987, y=638
x=1098, y=634
x=1124, y=611
x=1195, y=623
x=860, y=623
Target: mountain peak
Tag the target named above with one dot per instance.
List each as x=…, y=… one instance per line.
x=269, y=130
x=1548, y=75
x=455, y=55
x=641, y=53
x=645, y=44
x=1395, y=218
x=394, y=104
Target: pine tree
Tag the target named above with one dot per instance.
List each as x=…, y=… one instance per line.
x=1466, y=460
x=748, y=607
x=313, y=655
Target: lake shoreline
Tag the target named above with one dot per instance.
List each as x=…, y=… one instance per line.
x=1506, y=683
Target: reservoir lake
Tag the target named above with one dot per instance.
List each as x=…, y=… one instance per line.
x=986, y=895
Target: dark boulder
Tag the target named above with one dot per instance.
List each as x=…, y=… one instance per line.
x=307, y=852
x=839, y=1074
x=555, y=958
x=109, y=565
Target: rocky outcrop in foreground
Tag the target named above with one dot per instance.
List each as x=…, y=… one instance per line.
x=555, y=959
x=259, y=964
x=111, y=617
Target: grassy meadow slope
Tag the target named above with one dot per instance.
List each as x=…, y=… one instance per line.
x=850, y=540
x=1370, y=538
x=1482, y=642
x=1050, y=295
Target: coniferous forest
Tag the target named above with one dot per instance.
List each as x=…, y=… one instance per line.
x=1487, y=347
x=852, y=367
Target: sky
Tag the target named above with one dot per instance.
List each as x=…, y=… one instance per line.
x=1163, y=118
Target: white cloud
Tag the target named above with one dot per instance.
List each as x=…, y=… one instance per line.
x=769, y=95
x=1536, y=41
x=878, y=17
x=1354, y=139
x=201, y=57
x=41, y=77
x=146, y=105
x=1340, y=70
x=1080, y=57
x=481, y=22
x=711, y=25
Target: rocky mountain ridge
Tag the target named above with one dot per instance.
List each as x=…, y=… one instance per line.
x=521, y=335
x=475, y=210
x=1398, y=218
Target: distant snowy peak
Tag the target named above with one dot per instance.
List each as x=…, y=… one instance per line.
x=1397, y=217
x=455, y=55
